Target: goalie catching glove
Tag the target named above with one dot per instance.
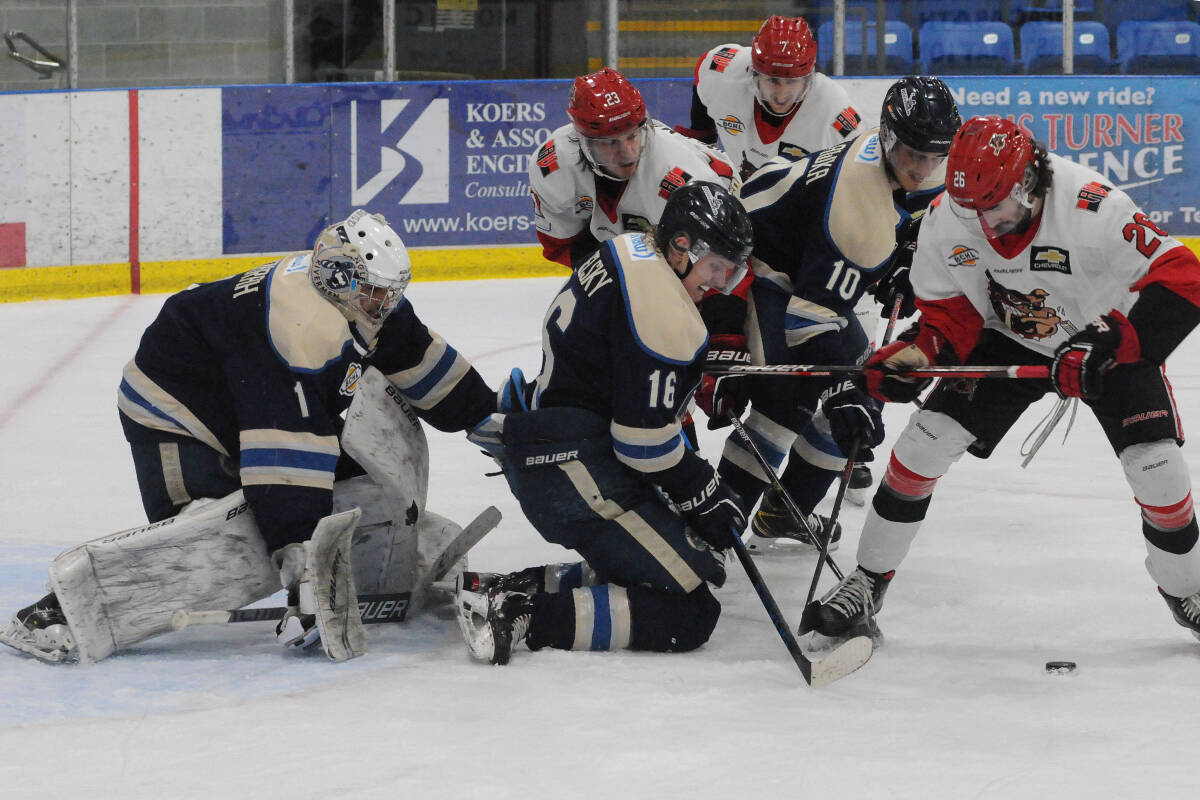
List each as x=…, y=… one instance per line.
x=719, y=397
x=1081, y=362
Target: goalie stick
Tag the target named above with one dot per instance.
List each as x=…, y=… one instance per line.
x=840, y=662
x=373, y=608
x=827, y=370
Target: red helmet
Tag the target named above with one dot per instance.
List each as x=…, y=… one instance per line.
x=605, y=104
x=784, y=48
x=988, y=157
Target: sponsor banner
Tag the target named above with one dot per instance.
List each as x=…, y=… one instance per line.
x=446, y=163
x=1141, y=133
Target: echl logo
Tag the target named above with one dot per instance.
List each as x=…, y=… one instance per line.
x=997, y=142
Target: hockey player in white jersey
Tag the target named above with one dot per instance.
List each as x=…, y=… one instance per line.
x=611, y=169
x=767, y=100
x=1032, y=259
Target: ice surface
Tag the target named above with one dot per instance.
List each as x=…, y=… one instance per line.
x=1013, y=568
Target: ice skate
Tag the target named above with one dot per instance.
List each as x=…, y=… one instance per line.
x=774, y=531
x=1186, y=610
x=849, y=608
x=860, y=482
x=528, y=581
x=41, y=630
x=492, y=620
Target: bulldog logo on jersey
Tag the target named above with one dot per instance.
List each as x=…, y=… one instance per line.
x=350, y=382
x=1050, y=259
x=962, y=256
x=1025, y=314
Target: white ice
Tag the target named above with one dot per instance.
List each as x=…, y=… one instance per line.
x=1012, y=569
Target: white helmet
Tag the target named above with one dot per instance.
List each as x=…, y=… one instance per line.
x=361, y=266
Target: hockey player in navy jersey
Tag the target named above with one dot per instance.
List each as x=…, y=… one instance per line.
x=1030, y=258
x=239, y=383
x=591, y=460
x=827, y=228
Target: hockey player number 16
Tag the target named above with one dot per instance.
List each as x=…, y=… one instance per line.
x=844, y=280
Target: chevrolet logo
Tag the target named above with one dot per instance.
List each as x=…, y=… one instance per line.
x=1053, y=256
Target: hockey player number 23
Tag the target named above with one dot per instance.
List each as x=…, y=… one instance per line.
x=1145, y=244
x=844, y=280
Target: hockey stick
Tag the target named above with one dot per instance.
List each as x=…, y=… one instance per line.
x=843, y=660
x=373, y=608
x=788, y=502
x=892, y=318
x=825, y=370
x=843, y=482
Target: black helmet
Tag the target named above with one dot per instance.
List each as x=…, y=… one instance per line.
x=921, y=113
x=712, y=219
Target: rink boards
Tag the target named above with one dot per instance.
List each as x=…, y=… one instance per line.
x=113, y=191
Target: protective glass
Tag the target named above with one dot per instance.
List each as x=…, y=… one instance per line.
x=616, y=154
x=780, y=95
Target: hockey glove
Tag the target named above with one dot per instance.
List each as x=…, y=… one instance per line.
x=897, y=282
x=854, y=415
x=514, y=394
x=719, y=396
x=1081, y=362
x=917, y=347
x=714, y=513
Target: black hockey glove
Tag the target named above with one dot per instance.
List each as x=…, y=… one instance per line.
x=896, y=283
x=714, y=513
x=854, y=414
x=717, y=396
x=1081, y=362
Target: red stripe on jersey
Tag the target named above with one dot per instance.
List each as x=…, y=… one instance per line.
x=1178, y=269
x=906, y=483
x=956, y=318
x=1169, y=518
x=558, y=250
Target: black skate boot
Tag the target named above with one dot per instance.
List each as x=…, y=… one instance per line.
x=528, y=581
x=1186, y=610
x=774, y=530
x=860, y=481
x=493, y=621
x=849, y=608
x=41, y=631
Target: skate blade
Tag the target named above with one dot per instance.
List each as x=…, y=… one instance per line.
x=782, y=545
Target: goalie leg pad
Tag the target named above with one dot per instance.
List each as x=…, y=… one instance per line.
x=1158, y=475
x=123, y=588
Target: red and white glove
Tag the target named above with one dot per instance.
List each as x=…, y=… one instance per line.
x=916, y=348
x=719, y=396
x=1081, y=362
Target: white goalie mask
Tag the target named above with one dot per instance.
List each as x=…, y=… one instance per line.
x=362, y=267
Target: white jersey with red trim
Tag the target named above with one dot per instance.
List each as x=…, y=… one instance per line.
x=1091, y=245
x=725, y=84
x=564, y=186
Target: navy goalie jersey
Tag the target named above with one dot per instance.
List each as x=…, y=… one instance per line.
x=260, y=366
x=624, y=340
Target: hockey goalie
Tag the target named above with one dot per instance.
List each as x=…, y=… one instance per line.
x=252, y=482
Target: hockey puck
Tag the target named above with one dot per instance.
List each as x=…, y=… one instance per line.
x=1060, y=667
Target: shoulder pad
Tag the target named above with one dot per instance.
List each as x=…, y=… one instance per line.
x=304, y=328
x=663, y=319
x=862, y=217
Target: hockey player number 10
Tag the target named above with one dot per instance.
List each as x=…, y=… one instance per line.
x=844, y=280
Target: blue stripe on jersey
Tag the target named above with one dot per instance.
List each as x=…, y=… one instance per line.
x=284, y=457
x=602, y=618
x=134, y=397
x=645, y=452
x=424, y=386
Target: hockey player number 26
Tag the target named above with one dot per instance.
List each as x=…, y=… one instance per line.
x=1145, y=244
x=844, y=280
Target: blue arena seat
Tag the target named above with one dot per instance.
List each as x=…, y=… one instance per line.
x=956, y=11
x=966, y=48
x=1114, y=12
x=1042, y=48
x=1048, y=10
x=897, y=47
x=1171, y=47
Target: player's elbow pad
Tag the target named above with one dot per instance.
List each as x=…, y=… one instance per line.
x=1162, y=320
